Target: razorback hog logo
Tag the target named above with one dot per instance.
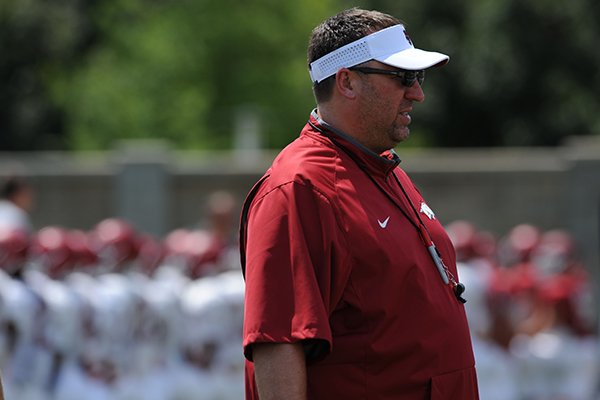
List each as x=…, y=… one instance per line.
x=427, y=211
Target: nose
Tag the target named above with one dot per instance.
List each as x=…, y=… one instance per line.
x=415, y=93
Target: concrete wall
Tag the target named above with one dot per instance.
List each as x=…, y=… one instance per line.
x=158, y=189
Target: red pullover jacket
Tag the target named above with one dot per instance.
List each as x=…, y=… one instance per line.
x=334, y=259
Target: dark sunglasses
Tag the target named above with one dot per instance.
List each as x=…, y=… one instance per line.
x=407, y=78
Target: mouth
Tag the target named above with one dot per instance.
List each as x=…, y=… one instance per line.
x=405, y=118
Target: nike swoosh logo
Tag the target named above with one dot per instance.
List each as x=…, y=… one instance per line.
x=383, y=223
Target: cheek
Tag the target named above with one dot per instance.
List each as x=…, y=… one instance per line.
x=392, y=100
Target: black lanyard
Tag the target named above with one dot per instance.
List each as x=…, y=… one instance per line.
x=445, y=273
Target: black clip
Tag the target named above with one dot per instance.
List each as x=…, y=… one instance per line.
x=459, y=289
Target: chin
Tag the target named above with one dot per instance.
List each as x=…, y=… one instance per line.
x=400, y=133
x=401, y=138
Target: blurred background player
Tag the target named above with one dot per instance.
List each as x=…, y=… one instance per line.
x=219, y=234
x=211, y=247
x=211, y=367
x=554, y=344
x=476, y=263
x=16, y=202
x=22, y=310
x=21, y=323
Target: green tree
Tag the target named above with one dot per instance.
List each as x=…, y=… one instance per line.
x=181, y=70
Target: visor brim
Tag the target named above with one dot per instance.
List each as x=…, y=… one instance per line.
x=414, y=59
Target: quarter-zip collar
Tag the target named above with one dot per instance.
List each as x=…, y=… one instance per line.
x=377, y=164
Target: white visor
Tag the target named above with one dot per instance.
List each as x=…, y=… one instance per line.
x=390, y=46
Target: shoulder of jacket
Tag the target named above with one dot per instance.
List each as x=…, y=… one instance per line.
x=308, y=161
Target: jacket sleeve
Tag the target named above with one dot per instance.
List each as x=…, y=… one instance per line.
x=295, y=269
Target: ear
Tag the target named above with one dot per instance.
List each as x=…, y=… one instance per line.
x=345, y=83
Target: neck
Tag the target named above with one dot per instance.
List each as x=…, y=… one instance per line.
x=338, y=118
x=348, y=121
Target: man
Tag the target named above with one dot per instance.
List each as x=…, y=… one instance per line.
x=347, y=295
x=16, y=201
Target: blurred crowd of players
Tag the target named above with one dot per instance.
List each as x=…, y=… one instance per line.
x=113, y=313
x=532, y=313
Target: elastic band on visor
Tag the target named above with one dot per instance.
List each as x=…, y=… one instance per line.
x=386, y=41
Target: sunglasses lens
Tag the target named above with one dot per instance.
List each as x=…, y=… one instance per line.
x=407, y=78
x=411, y=76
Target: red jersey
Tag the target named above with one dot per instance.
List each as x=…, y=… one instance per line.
x=334, y=259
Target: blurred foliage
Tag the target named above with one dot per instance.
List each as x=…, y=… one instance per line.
x=184, y=71
x=80, y=74
x=36, y=38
